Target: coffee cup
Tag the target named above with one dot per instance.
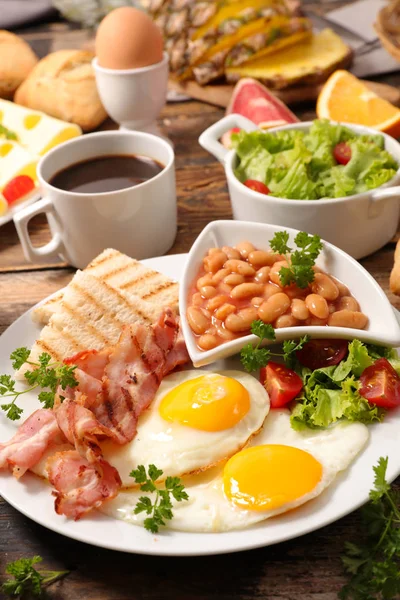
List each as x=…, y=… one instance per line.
x=140, y=221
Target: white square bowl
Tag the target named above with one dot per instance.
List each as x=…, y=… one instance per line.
x=383, y=327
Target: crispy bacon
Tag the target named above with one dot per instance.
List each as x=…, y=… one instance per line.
x=80, y=485
x=30, y=442
x=114, y=387
x=92, y=362
x=139, y=361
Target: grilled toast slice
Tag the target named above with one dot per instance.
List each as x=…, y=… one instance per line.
x=90, y=315
x=121, y=273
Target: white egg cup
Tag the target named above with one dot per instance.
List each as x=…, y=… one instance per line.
x=134, y=98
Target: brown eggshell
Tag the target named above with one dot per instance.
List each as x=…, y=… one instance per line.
x=127, y=38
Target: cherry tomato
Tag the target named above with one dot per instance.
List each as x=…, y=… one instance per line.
x=380, y=384
x=257, y=186
x=317, y=354
x=281, y=383
x=226, y=139
x=342, y=153
x=17, y=188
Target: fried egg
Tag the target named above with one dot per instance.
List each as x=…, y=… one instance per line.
x=197, y=419
x=279, y=470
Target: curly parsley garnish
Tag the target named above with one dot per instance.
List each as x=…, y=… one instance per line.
x=253, y=358
x=301, y=261
x=374, y=564
x=48, y=375
x=7, y=133
x=26, y=580
x=161, y=509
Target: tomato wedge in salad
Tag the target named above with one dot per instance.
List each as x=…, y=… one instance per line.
x=380, y=384
x=281, y=383
x=257, y=186
x=317, y=354
x=342, y=153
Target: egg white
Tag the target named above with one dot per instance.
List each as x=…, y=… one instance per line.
x=208, y=509
x=177, y=449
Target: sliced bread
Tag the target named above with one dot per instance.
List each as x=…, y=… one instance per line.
x=121, y=273
x=90, y=315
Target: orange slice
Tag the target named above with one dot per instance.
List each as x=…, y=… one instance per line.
x=345, y=98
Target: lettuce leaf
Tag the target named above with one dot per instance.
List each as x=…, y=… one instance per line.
x=300, y=165
x=332, y=393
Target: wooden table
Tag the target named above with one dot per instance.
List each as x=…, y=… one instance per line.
x=308, y=568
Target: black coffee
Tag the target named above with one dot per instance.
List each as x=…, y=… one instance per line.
x=106, y=173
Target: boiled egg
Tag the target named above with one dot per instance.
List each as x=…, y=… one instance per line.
x=127, y=38
x=279, y=470
x=196, y=420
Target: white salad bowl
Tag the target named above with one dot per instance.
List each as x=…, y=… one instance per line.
x=383, y=327
x=359, y=224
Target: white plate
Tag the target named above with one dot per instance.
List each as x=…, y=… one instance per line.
x=32, y=497
x=9, y=215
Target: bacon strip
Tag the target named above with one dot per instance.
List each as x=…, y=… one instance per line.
x=30, y=442
x=139, y=361
x=92, y=362
x=114, y=387
x=80, y=485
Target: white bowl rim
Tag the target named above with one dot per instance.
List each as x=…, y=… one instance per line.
x=361, y=129
x=202, y=357
x=153, y=67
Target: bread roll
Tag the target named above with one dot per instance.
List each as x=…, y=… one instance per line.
x=17, y=60
x=395, y=274
x=63, y=85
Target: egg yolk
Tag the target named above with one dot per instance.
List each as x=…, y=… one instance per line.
x=267, y=477
x=209, y=403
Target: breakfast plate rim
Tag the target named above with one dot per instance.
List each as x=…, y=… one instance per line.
x=9, y=215
x=32, y=497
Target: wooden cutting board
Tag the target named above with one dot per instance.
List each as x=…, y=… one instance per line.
x=219, y=95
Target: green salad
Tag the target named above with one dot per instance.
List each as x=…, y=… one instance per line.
x=328, y=161
x=333, y=393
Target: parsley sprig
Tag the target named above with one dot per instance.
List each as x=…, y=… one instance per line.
x=161, y=509
x=26, y=580
x=7, y=133
x=301, y=261
x=48, y=375
x=253, y=358
x=374, y=564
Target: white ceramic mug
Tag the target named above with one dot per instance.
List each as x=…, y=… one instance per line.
x=140, y=221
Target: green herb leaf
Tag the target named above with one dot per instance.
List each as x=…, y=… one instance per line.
x=161, y=509
x=46, y=375
x=264, y=331
x=7, y=133
x=374, y=564
x=19, y=357
x=26, y=580
x=279, y=242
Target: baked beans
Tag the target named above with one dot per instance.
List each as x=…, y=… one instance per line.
x=237, y=285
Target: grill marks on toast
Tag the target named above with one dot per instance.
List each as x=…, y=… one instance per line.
x=91, y=316
x=121, y=273
x=163, y=287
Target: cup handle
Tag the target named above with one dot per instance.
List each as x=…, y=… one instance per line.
x=21, y=220
x=209, y=139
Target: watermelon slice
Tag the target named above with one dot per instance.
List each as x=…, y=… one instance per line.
x=253, y=100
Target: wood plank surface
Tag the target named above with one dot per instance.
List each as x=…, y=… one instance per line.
x=220, y=95
x=308, y=568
